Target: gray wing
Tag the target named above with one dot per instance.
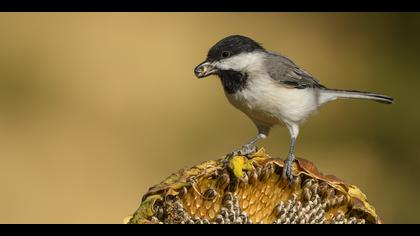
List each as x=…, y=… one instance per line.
x=286, y=72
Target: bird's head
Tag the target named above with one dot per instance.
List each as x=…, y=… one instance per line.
x=234, y=52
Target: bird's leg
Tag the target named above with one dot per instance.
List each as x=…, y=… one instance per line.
x=248, y=148
x=288, y=163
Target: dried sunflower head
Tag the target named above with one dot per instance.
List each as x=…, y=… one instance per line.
x=246, y=190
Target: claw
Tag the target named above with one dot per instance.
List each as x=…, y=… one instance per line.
x=247, y=149
x=288, y=168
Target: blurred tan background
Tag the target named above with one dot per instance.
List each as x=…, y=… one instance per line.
x=97, y=107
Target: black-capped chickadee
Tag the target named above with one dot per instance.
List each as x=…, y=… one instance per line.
x=270, y=89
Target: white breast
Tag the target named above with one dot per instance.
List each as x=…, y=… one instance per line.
x=267, y=102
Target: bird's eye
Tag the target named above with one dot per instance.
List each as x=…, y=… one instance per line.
x=225, y=54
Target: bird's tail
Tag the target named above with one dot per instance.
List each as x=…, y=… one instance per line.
x=327, y=95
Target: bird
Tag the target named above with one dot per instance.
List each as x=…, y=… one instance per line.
x=270, y=89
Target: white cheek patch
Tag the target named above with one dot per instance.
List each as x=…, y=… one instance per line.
x=241, y=62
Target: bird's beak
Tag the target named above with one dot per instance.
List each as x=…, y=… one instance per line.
x=205, y=69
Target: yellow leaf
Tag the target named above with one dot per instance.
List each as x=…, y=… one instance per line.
x=248, y=165
x=237, y=164
x=146, y=208
x=357, y=193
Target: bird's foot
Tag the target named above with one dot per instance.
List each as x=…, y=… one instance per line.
x=288, y=168
x=246, y=150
